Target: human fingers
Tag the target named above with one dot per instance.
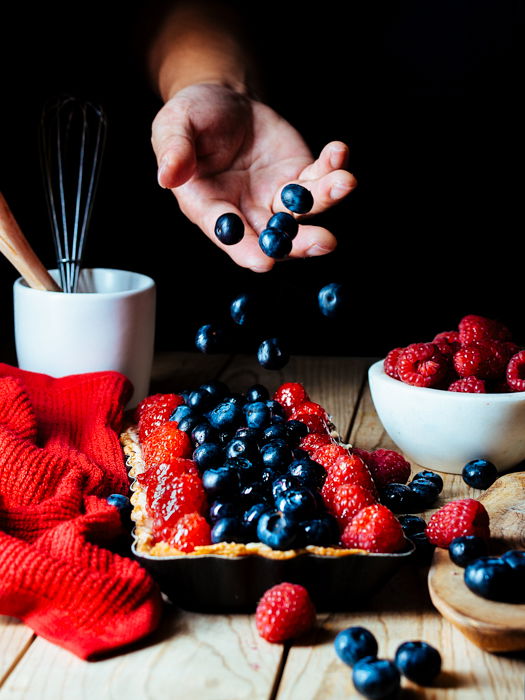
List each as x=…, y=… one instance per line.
x=173, y=142
x=327, y=190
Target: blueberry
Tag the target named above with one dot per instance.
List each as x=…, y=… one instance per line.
x=258, y=415
x=257, y=392
x=250, y=434
x=241, y=447
x=418, y=661
x=276, y=530
x=203, y=432
x=398, y=497
x=276, y=408
x=276, y=431
x=515, y=559
x=331, y=299
x=424, y=548
x=216, y=388
x=244, y=310
x=285, y=222
x=299, y=453
x=276, y=454
x=229, y=229
x=200, y=400
x=308, y=472
x=464, y=550
x=251, y=516
x=226, y=415
x=297, y=504
x=376, y=678
x=282, y=484
x=425, y=494
x=236, y=399
x=222, y=481
x=297, y=198
x=272, y=354
x=223, y=509
x=230, y=529
x=268, y=476
x=275, y=243
x=430, y=476
x=181, y=412
x=189, y=422
x=210, y=338
x=208, y=455
x=489, y=577
x=322, y=531
x=354, y=643
x=255, y=492
x=247, y=469
x=479, y=473
x=296, y=431
x=412, y=524
x=120, y=502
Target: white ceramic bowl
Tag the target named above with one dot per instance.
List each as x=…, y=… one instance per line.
x=444, y=430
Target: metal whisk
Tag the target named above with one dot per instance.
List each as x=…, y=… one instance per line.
x=72, y=139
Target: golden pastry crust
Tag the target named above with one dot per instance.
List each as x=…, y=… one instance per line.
x=145, y=545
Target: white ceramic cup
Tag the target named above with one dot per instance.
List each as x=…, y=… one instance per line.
x=109, y=324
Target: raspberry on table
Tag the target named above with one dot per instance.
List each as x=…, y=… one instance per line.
x=154, y=414
x=190, y=531
x=165, y=443
x=421, y=364
x=386, y=466
x=469, y=385
x=348, y=500
x=375, y=529
x=390, y=363
x=473, y=328
x=516, y=372
x=290, y=395
x=285, y=611
x=456, y=519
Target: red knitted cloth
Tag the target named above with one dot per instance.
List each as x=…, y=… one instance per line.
x=59, y=459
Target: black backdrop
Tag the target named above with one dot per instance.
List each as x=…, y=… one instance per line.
x=428, y=95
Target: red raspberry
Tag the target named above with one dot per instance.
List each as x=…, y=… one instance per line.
x=149, y=401
x=156, y=413
x=174, y=498
x=421, y=364
x=285, y=611
x=516, y=372
x=327, y=454
x=458, y=518
x=374, y=529
x=190, y=531
x=473, y=360
x=308, y=408
x=449, y=337
x=469, y=385
x=315, y=424
x=347, y=469
x=386, y=466
x=163, y=473
x=390, y=363
x=164, y=444
x=348, y=500
x=473, y=328
x=312, y=441
x=290, y=395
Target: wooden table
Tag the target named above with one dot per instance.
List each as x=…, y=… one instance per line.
x=221, y=657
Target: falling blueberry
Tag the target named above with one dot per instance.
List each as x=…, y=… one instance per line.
x=331, y=299
x=229, y=229
x=210, y=338
x=271, y=354
x=244, y=309
x=284, y=222
x=297, y=198
x=275, y=243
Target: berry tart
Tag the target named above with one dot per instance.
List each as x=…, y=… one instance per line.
x=233, y=493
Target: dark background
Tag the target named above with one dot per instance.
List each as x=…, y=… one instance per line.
x=427, y=94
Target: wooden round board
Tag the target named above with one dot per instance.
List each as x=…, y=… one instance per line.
x=492, y=626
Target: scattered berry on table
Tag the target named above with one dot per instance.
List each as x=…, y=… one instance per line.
x=399, y=498
x=418, y=661
x=491, y=578
x=297, y=198
x=464, y=550
x=272, y=354
x=275, y=243
x=332, y=299
x=428, y=475
x=210, y=338
x=284, y=612
x=375, y=529
x=425, y=493
x=424, y=548
x=456, y=518
x=376, y=678
x=285, y=222
x=355, y=643
x=412, y=524
x=229, y=229
x=479, y=473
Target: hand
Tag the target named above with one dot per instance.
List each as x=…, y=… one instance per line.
x=220, y=152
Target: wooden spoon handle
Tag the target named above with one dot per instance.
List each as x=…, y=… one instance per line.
x=15, y=247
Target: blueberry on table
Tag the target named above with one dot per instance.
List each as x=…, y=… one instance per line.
x=466, y=549
x=229, y=229
x=272, y=355
x=479, y=473
x=276, y=530
x=398, y=497
x=331, y=299
x=418, y=661
x=210, y=338
x=285, y=222
x=297, y=198
x=425, y=493
x=275, y=243
x=515, y=558
x=355, y=643
x=430, y=476
x=376, y=678
x=412, y=524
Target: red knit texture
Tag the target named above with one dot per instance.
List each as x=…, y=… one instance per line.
x=60, y=458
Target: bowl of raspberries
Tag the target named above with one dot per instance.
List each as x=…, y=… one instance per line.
x=459, y=397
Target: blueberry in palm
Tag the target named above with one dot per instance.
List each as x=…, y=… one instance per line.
x=229, y=228
x=297, y=198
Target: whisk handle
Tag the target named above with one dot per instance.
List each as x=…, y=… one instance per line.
x=15, y=247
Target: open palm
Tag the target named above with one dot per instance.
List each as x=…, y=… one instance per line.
x=219, y=152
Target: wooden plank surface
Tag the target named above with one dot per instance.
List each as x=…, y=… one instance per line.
x=221, y=657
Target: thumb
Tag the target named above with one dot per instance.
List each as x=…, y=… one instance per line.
x=174, y=146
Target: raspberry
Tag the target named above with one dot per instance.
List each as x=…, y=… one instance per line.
x=347, y=469
x=290, y=395
x=516, y=372
x=315, y=424
x=469, y=385
x=308, y=408
x=156, y=413
x=473, y=361
x=149, y=401
x=285, y=611
x=458, y=518
x=374, y=529
x=164, y=444
x=161, y=474
x=390, y=363
x=473, y=328
x=421, y=364
x=190, y=531
x=386, y=466
x=449, y=337
x=327, y=454
x=313, y=441
x=174, y=498
x=348, y=500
